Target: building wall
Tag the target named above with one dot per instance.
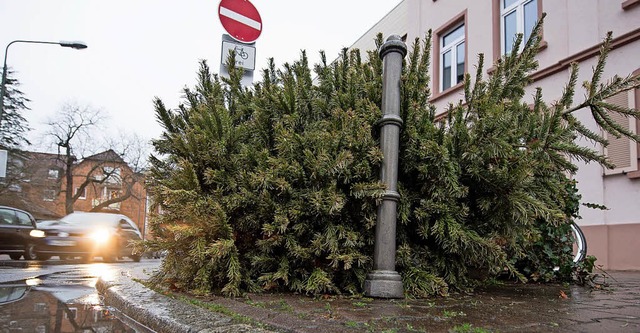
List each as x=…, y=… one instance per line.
x=32, y=195
x=572, y=32
x=395, y=22
x=37, y=181
x=134, y=207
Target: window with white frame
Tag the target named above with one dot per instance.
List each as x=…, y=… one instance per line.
x=452, y=57
x=53, y=173
x=516, y=17
x=112, y=174
x=49, y=195
x=110, y=193
x=72, y=313
x=83, y=193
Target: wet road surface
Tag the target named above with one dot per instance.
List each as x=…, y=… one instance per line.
x=503, y=307
x=56, y=297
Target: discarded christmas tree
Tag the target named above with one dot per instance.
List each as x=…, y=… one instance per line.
x=275, y=187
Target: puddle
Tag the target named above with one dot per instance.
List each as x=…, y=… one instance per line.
x=34, y=306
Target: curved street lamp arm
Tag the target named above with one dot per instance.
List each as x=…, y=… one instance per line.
x=74, y=45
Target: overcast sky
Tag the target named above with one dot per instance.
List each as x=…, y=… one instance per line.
x=138, y=49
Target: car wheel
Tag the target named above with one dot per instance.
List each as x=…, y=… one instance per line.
x=135, y=257
x=30, y=252
x=15, y=256
x=43, y=257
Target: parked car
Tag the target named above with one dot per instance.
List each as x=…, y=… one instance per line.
x=88, y=235
x=19, y=235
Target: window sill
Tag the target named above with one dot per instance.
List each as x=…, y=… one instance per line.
x=447, y=92
x=633, y=174
x=626, y=5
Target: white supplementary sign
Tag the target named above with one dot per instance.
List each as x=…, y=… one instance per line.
x=245, y=54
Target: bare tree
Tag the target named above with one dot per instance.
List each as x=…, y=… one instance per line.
x=71, y=126
x=131, y=150
x=78, y=133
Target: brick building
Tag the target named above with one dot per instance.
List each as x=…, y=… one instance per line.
x=36, y=182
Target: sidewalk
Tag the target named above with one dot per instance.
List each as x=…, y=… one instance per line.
x=505, y=308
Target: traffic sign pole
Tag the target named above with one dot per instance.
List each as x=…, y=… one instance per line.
x=243, y=23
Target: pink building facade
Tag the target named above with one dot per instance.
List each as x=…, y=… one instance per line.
x=573, y=31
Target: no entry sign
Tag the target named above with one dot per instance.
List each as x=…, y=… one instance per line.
x=240, y=19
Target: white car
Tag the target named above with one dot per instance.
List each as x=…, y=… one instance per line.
x=88, y=235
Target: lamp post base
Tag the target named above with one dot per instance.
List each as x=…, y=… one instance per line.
x=383, y=284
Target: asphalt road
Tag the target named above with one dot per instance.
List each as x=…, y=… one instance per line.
x=13, y=270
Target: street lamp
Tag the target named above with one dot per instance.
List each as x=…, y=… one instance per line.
x=74, y=45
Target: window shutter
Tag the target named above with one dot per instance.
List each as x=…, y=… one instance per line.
x=622, y=151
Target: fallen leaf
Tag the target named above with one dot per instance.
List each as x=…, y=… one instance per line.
x=563, y=295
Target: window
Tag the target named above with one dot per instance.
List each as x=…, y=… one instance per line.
x=516, y=16
x=452, y=57
x=109, y=194
x=83, y=195
x=622, y=151
x=23, y=219
x=49, y=195
x=40, y=307
x=54, y=173
x=7, y=216
x=4, y=156
x=111, y=174
x=449, y=55
x=71, y=313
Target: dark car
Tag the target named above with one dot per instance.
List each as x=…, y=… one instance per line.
x=88, y=235
x=19, y=235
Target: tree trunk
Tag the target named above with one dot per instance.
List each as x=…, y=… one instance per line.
x=68, y=193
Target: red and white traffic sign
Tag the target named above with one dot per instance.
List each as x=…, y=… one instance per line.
x=240, y=19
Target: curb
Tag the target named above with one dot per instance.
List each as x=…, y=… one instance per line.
x=160, y=313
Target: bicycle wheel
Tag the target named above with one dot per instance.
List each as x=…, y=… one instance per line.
x=580, y=243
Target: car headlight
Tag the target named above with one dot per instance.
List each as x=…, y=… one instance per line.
x=36, y=233
x=100, y=236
